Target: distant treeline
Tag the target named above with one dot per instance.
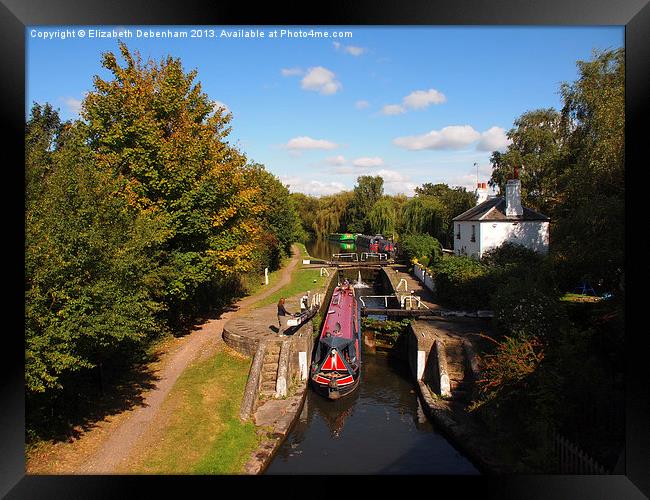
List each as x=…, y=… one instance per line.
x=139, y=217
x=368, y=210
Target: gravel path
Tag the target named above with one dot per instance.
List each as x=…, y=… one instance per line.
x=121, y=441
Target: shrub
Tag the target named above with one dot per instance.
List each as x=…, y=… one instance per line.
x=526, y=307
x=423, y=247
x=463, y=282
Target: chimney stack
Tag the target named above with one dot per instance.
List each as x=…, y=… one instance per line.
x=481, y=192
x=513, y=198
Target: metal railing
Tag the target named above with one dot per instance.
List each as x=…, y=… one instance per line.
x=340, y=256
x=380, y=256
x=385, y=297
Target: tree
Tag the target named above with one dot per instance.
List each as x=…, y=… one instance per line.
x=382, y=219
x=162, y=137
x=455, y=201
x=279, y=220
x=537, y=148
x=41, y=134
x=306, y=207
x=331, y=216
x=423, y=215
x=90, y=279
x=590, y=228
x=367, y=192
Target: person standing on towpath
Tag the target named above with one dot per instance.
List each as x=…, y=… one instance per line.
x=283, y=316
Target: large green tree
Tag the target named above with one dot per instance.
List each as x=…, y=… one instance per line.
x=454, y=201
x=90, y=271
x=537, y=150
x=367, y=192
x=590, y=216
x=152, y=125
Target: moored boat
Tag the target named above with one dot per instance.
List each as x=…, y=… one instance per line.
x=341, y=236
x=336, y=366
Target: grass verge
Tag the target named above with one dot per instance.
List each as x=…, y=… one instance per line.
x=203, y=433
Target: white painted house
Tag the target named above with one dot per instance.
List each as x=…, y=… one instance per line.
x=497, y=220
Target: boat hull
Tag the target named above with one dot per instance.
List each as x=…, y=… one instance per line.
x=336, y=363
x=335, y=393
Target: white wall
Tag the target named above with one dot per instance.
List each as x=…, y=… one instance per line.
x=471, y=248
x=531, y=234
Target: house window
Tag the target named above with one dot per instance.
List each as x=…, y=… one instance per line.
x=458, y=233
x=473, y=233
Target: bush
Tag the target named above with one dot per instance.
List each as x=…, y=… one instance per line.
x=423, y=247
x=526, y=307
x=463, y=282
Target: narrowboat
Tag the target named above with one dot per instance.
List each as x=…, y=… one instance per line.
x=369, y=242
x=336, y=366
x=341, y=237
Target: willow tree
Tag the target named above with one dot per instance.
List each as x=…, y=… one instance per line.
x=423, y=215
x=332, y=214
x=382, y=218
x=165, y=141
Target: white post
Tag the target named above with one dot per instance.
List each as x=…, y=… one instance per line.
x=266, y=275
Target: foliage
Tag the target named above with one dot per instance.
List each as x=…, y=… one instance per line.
x=422, y=247
x=332, y=214
x=524, y=307
x=382, y=219
x=507, y=368
x=306, y=208
x=139, y=217
x=367, y=192
x=463, y=282
x=278, y=220
x=423, y=215
x=90, y=271
x=589, y=234
x=454, y=201
x=538, y=149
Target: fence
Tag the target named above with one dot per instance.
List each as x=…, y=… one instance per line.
x=570, y=459
x=421, y=274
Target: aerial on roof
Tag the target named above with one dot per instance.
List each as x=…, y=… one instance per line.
x=494, y=209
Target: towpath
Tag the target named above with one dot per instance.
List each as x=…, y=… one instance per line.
x=110, y=442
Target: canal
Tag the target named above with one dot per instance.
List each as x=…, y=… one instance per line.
x=379, y=429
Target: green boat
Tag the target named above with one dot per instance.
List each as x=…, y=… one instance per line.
x=341, y=237
x=345, y=245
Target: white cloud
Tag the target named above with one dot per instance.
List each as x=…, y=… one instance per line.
x=493, y=139
x=304, y=142
x=321, y=80
x=393, y=109
x=396, y=183
x=419, y=99
x=291, y=71
x=368, y=162
x=452, y=137
x=73, y=105
x=361, y=104
x=313, y=187
x=336, y=160
x=349, y=49
x=218, y=104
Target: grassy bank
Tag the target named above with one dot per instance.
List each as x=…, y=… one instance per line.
x=200, y=431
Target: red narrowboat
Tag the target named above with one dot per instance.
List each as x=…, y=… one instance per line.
x=336, y=366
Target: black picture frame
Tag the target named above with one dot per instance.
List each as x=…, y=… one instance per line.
x=15, y=15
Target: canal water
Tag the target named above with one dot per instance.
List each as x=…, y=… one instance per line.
x=379, y=429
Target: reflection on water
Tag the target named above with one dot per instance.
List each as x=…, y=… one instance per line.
x=379, y=429
x=324, y=249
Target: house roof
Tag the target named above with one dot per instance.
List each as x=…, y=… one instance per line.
x=494, y=209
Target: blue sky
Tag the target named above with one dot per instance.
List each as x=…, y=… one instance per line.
x=412, y=104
